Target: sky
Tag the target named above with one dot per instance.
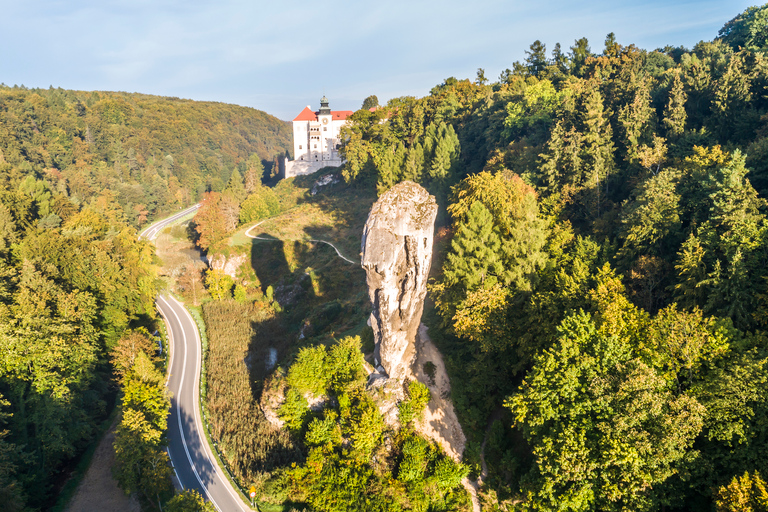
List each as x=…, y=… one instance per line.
x=283, y=55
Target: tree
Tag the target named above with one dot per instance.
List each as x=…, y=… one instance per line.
x=371, y=102
x=210, y=222
x=219, y=284
x=235, y=187
x=746, y=493
x=604, y=427
x=189, y=500
x=612, y=48
x=748, y=30
x=481, y=80
x=598, y=146
x=651, y=222
x=128, y=348
x=578, y=55
x=674, y=112
x=536, y=58
x=474, y=261
x=732, y=118
x=254, y=173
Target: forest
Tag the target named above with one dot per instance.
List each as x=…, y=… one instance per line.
x=598, y=288
x=79, y=172
x=601, y=294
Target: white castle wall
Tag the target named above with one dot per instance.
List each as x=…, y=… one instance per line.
x=302, y=167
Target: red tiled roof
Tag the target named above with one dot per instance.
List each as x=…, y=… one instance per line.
x=306, y=115
x=336, y=115
x=340, y=115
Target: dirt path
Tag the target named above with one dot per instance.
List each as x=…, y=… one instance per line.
x=249, y=235
x=98, y=490
x=440, y=422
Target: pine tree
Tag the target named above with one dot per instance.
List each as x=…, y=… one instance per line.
x=254, y=173
x=235, y=188
x=731, y=100
x=474, y=261
x=637, y=120
x=692, y=272
x=598, y=146
x=674, y=112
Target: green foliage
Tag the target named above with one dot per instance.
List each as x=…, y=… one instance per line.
x=188, y=500
x=219, y=284
x=417, y=454
x=261, y=203
x=746, y=493
x=309, y=373
x=412, y=408
x=142, y=464
x=294, y=411
x=747, y=30
x=604, y=426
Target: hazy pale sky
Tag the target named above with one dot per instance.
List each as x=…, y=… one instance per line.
x=284, y=55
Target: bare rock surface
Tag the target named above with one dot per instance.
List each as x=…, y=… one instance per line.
x=439, y=422
x=228, y=265
x=397, y=250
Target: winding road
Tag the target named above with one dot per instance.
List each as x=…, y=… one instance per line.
x=192, y=459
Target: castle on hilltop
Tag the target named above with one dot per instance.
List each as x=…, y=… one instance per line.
x=316, y=139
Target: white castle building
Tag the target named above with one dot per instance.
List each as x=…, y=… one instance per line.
x=316, y=139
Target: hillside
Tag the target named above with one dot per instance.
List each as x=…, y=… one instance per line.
x=79, y=171
x=152, y=154
x=598, y=289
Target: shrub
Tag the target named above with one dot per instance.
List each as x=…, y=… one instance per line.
x=413, y=407
x=309, y=373
x=294, y=411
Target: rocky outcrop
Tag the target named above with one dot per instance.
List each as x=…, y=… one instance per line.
x=397, y=249
x=228, y=264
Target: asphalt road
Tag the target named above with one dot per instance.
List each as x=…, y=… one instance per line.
x=192, y=459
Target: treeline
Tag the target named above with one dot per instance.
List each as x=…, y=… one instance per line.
x=79, y=171
x=69, y=291
x=601, y=293
x=148, y=154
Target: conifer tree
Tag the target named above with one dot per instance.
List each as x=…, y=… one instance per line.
x=598, y=146
x=731, y=100
x=692, y=272
x=674, y=112
x=254, y=172
x=637, y=120
x=475, y=258
x=235, y=188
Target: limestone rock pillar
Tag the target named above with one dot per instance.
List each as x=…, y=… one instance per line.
x=397, y=250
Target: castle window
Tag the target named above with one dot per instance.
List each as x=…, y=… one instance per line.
x=325, y=128
x=299, y=146
x=315, y=146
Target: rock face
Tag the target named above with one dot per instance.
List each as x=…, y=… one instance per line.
x=397, y=249
x=228, y=265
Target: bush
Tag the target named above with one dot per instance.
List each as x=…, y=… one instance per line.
x=309, y=373
x=413, y=407
x=294, y=411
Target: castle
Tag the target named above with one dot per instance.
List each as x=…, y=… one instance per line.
x=316, y=139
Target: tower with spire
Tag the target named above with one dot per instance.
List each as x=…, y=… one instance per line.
x=316, y=139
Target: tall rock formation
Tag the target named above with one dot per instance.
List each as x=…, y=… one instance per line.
x=397, y=250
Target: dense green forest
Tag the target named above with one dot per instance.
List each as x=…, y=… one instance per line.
x=598, y=292
x=79, y=172
x=602, y=295
x=598, y=286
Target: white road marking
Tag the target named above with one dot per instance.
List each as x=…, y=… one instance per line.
x=198, y=419
x=178, y=414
